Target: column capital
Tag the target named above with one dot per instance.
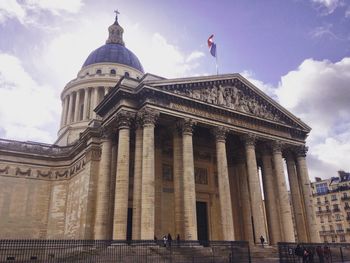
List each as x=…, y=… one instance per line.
x=277, y=147
x=301, y=150
x=106, y=132
x=249, y=139
x=124, y=119
x=220, y=133
x=148, y=116
x=186, y=126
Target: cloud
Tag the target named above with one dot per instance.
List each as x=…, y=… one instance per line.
x=326, y=31
x=161, y=57
x=27, y=11
x=328, y=6
x=27, y=109
x=319, y=93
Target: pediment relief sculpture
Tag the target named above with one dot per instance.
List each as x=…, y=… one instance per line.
x=234, y=98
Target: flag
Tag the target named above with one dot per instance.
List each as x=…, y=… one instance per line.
x=212, y=46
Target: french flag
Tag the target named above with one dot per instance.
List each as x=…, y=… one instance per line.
x=212, y=46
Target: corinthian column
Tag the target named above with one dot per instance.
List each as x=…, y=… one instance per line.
x=86, y=104
x=307, y=195
x=136, y=211
x=270, y=194
x=190, y=215
x=178, y=181
x=224, y=184
x=296, y=199
x=284, y=204
x=148, y=175
x=103, y=184
x=245, y=199
x=255, y=189
x=122, y=176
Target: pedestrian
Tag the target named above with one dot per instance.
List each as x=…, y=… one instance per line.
x=169, y=239
x=164, y=241
x=262, y=240
x=327, y=253
x=178, y=239
x=320, y=254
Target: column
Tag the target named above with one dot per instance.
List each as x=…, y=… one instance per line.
x=307, y=194
x=273, y=221
x=86, y=104
x=224, y=184
x=94, y=101
x=178, y=181
x=190, y=214
x=103, y=184
x=296, y=199
x=248, y=233
x=122, y=176
x=148, y=175
x=76, y=110
x=62, y=113
x=106, y=91
x=70, y=106
x=283, y=197
x=255, y=189
x=65, y=111
x=136, y=210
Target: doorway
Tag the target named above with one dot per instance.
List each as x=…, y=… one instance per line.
x=202, y=221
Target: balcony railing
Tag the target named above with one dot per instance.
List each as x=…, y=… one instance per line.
x=345, y=198
x=347, y=207
x=348, y=218
x=327, y=232
x=323, y=212
x=336, y=210
x=340, y=230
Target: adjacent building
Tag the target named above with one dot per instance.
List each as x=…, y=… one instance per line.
x=139, y=156
x=331, y=198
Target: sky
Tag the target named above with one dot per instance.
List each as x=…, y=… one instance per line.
x=296, y=51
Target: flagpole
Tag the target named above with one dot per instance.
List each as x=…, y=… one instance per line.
x=216, y=60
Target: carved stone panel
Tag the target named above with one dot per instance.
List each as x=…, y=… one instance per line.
x=201, y=175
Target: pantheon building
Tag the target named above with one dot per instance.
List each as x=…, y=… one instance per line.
x=139, y=156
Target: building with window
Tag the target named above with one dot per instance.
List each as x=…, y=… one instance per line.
x=331, y=198
x=139, y=156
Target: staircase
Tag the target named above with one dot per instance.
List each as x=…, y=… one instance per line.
x=266, y=254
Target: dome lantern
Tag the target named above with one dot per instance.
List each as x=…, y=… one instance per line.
x=115, y=32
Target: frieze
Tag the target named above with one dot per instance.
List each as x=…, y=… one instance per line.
x=27, y=172
x=232, y=97
x=5, y=170
x=47, y=174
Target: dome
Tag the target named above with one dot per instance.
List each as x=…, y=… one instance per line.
x=113, y=53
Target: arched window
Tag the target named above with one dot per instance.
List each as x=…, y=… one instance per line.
x=98, y=71
x=113, y=72
x=126, y=74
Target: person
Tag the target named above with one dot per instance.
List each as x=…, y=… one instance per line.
x=178, y=239
x=299, y=251
x=169, y=239
x=262, y=240
x=327, y=253
x=320, y=253
x=164, y=241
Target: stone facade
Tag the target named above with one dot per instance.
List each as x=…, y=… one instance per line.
x=331, y=199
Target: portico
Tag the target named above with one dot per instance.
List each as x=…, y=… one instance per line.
x=205, y=151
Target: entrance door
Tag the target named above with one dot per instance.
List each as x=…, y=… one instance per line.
x=129, y=225
x=202, y=221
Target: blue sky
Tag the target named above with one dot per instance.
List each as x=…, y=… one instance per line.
x=297, y=51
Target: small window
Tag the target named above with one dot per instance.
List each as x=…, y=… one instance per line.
x=113, y=72
x=99, y=72
x=126, y=74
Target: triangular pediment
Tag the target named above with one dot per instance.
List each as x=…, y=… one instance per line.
x=236, y=94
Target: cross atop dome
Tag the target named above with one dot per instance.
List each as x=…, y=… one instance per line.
x=116, y=14
x=115, y=32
